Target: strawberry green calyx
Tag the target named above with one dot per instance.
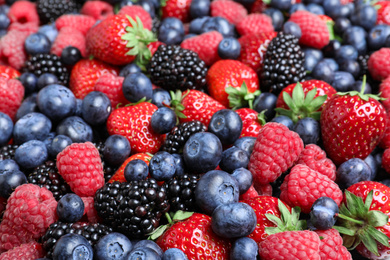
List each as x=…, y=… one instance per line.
x=361, y=94
x=301, y=106
x=172, y=219
x=261, y=118
x=358, y=223
x=240, y=97
x=176, y=104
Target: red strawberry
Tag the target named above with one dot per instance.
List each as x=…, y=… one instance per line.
x=352, y=124
x=85, y=73
x=99, y=10
x=251, y=124
x=23, y=12
x=153, y=46
x=315, y=33
x=249, y=194
x=205, y=45
x=68, y=36
x=379, y=64
x=385, y=141
x=331, y=247
x=384, y=90
x=111, y=85
x=254, y=24
x=81, y=23
x=12, y=49
x=276, y=149
x=135, y=10
x=120, y=173
x=30, y=211
x=179, y=9
x=383, y=12
x=8, y=72
x=133, y=122
x=386, y=160
x=11, y=96
x=232, y=11
x=81, y=167
x=28, y=251
x=230, y=73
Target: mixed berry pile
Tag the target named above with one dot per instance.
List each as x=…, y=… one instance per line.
x=194, y=129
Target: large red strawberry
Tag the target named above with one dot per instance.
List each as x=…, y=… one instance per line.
x=111, y=85
x=8, y=72
x=120, y=173
x=383, y=12
x=179, y=9
x=251, y=122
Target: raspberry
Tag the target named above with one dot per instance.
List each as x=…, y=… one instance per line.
x=384, y=90
x=386, y=160
x=379, y=64
x=255, y=23
x=383, y=12
x=90, y=211
x=23, y=12
x=303, y=186
x=97, y=9
x=11, y=96
x=111, y=85
x=69, y=37
x=231, y=11
x=331, y=247
x=30, y=211
x=81, y=23
x=137, y=11
x=12, y=49
x=30, y=27
x=28, y=251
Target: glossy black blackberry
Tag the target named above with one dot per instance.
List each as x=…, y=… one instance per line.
x=47, y=176
x=47, y=63
x=50, y=10
x=172, y=67
x=179, y=135
x=156, y=24
x=8, y=151
x=283, y=63
x=108, y=170
x=134, y=208
x=181, y=192
x=363, y=63
x=92, y=232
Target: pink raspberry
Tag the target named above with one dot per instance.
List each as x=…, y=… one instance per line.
x=23, y=12
x=12, y=49
x=232, y=11
x=379, y=64
x=90, y=211
x=386, y=160
x=384, y=89
x=331, y=247
x=29, y=251
x=11, y=96
x=69, y=37
x=78, y=22
x=29, y=27
x=255, y=23
x=97, y=9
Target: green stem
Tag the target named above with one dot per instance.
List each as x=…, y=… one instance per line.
x=359, y=222
x=168, y=218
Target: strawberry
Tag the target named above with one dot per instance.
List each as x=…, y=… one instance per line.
x=230, y=73
x=352, y=124
x=386, y=160
x=135, y=11
x=8, y=72
x=133, y=122
x=385, y=141
x=254, y=24
x=11, y=96
x=111, y=85
x=99, y=10
x=179, y=9
x=379, y=64
x=232, y=11
x=383, y=9
x=331, y=247
x=251, y=122
x=120, y=173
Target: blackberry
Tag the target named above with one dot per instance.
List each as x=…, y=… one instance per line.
x=50, y=10
x=8, y=151
x=172, y=67
x=134, y=208
x=283, y=63
x=108, y=170
x=179, y=135
x=181, y=192
x=363, y=60
x=155, y=24
x=47, y=63
x=92, y=232
x=47, y=176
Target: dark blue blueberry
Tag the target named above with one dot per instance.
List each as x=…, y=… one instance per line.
x=244, y=248
x=76, y=128
x=332, y=63
x=137, y=86
x=136, y=170
x=352, y=171
x=96, y=108
x=162, y=166
x=226, y=124
x=4, y=21
x=341, y=25
x=343, y=11
x=79, y=105
x=56, y=102
x=149, y=244
x=323, y=71
x=196, y=25
x=70, y=208
x=343, y=81
x=73, y=246
x=312, y=57
x=199, y=8
x=331, y=49
x=218, y=24
x=372, y=163
x=386, y=182
x=179, y=161
x=31, y=154
x=330, y=5
x=163, y=120
x=276, y=16
x=308, y=129
x=70, y=55
x=129, y=69
x=315, y=9
x=187, y=36
x=215, y=188
x=156, y=4
x=356, y=36
x=245, y=143
x=351, y=66
x=229, y=48
x=171, y=31
x=292, y=28
x=284, y=120
x=174, y=254
x=8, y=165
x=148, y=6
x=323, y=214
x=46, y=79
x=296, y=7
x=49, y=140
x=357, y=86
x=6, y=128
x=29, y=82
x=143, y=253
x=116, y=150
x=266, y=102
x=37, y=43
x=377, y=36
x=364, y=16
x=33, y=126
x=346, y=52
x=161, y=97
x=50, y=31
x=244, y=179
x=124, y=3
x=233, y=220
x=10, y=180
x=233, y=158
x=59, y=143
x=282, y=5
x=4, y=8
x=113, y=246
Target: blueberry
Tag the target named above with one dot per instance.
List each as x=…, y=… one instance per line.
x=179, y=161
x=137, y=86
x=332, y=63
x=73, y=246
x=33, y=126
x=346, y=52
x=196, y=25
x=8, y=165
x=96, y=108
x=56, y=102
x=76, y=128
x=292, y=28
x=343, y=81
x=113, y=246
x=233, y=220
x=343, y=11
x=162, y=166
x=124, y=3
x=6, y=128
x=37, y=43
x=244, y=179
x=149, y=244
x=323, y=71
x=312, y=57
x=331, y=49
x=341, y=25
x=161, y=97
x=163, y=120
x=29, y=82
x=276, y=16
x=215, y=188
x=174, y=254
x=245, y=143
x=357, y=86
x=284, y=120
x=58, y=144
x=129, y=69
x=356, y=36
x=46, y=79
x=143, y=254
x=70, y=55
x=226, y=124
x=148, y=6
x=116, y=150
x=283, y=5
x=323, y=214
x=218, y=24
x=315, y=9
x=244, y=248
x=308, y=129
x=171, y=31
x=350, y=66
x=70, y=208
x=136, y=170
x=187, y=36
x=4, y=8
x=10, y=180
x=371, y=162
x=229, y=48
x=50, y=31
x=296, y=7
x=352, y=171
x=4, y=21
x=31, y=154
x=233, y=158
x=79, y=105
x=330, y=5
x=199, y=8
x=364, y=16
x=266, y=102
x=377, y=36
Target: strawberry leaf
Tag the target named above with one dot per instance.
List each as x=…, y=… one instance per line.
x=377, y=218
x=240, y=97
x=369, y=243
x=346, y=231
x=181, y=215
x=378, y=236
x=157, y=232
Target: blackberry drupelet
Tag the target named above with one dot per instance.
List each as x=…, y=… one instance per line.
x=108, y=170
x=363, y=60
x=155, y=24
x=8, y=151
x=92, y=232
x=50, y=10
x=172, y=67
x=179, y=135
x=181, y=192
x=283, y=63
x=47, y=176
x=48, y=63
x=133, y=209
